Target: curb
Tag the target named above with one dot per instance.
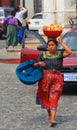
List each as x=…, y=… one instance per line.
x=4, y=58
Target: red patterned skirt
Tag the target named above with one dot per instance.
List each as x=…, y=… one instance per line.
x=50, y=89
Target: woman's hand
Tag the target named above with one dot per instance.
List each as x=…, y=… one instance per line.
x=59, y=39
x=36, y=64
x=67, y=50
x=41, y=63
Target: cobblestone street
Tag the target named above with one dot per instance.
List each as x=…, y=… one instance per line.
x=18, y=110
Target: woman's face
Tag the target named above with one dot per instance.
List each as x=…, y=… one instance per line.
x=52, y=46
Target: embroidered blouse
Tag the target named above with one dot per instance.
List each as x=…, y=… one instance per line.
x=52, y=62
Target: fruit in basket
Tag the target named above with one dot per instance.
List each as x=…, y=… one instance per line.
x=52, y=30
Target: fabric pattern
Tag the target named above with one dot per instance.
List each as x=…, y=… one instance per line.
x=11, y=36
x=52, y=62
x=50, y=89
x=51, y=85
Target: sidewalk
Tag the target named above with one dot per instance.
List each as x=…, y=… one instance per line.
x=13, y=54
x=5, y=58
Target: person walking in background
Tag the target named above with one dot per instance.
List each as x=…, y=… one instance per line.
x=51, y=85
x=12, y=27
x=20, y=12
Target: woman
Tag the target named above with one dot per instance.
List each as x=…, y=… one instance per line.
x=20, y=12
x=12, y=26
x=51, y=85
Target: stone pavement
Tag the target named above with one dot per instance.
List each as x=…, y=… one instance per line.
x=18, y=110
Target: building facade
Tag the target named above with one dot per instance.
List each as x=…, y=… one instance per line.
x=54, y=11
x=33, y=6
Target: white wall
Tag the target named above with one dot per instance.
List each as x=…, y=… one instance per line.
x=29, y=4
x=60, y=12
x=52, y=11
x=48, y=9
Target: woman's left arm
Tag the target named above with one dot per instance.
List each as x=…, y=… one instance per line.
x=67, y=50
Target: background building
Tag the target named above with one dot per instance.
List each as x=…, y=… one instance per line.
x=9, y=2
x=54, y=11
x=37, y=6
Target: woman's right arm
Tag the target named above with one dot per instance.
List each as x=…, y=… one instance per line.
x=23, y=10
x=40, y=62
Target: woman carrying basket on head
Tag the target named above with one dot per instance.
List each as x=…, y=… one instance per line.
x=51, y=85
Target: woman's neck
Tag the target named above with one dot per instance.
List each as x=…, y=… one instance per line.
x=51, y=53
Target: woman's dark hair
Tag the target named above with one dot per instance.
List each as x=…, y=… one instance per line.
x=53, y=40
x=13, y=13
x=17, y=9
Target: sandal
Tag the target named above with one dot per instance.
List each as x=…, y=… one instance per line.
x=53, y=123
x=7, y=47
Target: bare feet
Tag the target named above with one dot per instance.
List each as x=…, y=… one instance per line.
x=53, y=123
x=48, y=120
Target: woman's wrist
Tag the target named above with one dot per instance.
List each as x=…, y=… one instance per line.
x=62, y=43
x=39, y=63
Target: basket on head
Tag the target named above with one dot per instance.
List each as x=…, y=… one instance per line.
x=52, y=31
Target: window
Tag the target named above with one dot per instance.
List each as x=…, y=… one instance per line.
x=37, y=6
x=14, y=3
x=37, y=16
x=1, y=13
